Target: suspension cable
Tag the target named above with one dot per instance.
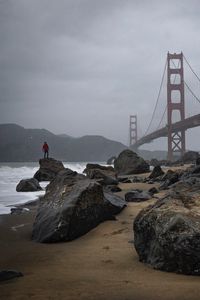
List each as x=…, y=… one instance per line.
x=162, y=117
x=166, y=105
x=193, y=94
x=157, y=99
x=189, y=87
x=160, y=92
x=191, y=68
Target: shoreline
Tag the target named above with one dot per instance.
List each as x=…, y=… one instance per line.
x=18, y=204
x=102, y=264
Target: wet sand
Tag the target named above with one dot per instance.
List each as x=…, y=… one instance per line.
x=101, y=265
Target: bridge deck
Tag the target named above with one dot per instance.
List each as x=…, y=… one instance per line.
x=190, y=122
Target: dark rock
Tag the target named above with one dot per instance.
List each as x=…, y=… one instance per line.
x=153, y=191
x=105, y=178
x=185, y=186
x=111, y=160
x=112, y=188
x=64, y=178
x=168, y=175
x=169, y=178
x=151, y=181
x=136, y=179
x=198, y=161
x=124, y=179
x=128, y=162
x=18, y=210
x=137, y=196
x=48, y=169
x=154, y=162
x=71, y=207
x=189, y=157
x=28, y=185
x=167, y=234
x=9, y=274
x=195, y=170
x=105, y=175
x=157, y=171
x=113, y=205
x=99, y=167
x=165, y=185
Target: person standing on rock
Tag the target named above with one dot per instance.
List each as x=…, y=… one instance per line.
x=45, y=149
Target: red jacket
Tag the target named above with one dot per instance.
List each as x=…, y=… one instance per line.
x=45, y=147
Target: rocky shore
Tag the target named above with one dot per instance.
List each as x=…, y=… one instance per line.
x=116, y=259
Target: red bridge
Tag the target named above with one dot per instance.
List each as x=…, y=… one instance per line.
x=174, y=131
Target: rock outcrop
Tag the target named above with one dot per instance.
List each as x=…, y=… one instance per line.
x=104, y=175
x=128, y=162
x=72, y=206
x=28, y=185
x=48, y=169
x=167, y=234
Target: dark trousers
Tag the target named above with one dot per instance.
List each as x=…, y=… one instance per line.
x=46, y=154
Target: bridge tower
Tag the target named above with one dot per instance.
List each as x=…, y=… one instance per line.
x=133, y=130
x=175, y=101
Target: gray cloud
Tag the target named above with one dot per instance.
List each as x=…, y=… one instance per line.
x=82, y=67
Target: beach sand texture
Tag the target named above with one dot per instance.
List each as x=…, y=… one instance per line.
x=101, y=265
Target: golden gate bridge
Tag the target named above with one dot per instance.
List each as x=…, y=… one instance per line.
x=174, y=131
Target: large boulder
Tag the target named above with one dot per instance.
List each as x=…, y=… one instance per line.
x=128, y=162
x=49, y=168
x=189, y=157
x=28, y=185
x=104, y=175
x=73, y=205
x=167, y=234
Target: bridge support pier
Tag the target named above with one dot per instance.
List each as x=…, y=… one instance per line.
x=175, y=101
x=133, y=130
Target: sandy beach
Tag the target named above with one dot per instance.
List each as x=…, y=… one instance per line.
x=102, y=264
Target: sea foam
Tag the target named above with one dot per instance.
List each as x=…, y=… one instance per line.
x=12, y=173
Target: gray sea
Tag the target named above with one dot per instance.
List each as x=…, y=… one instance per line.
x=12, y=173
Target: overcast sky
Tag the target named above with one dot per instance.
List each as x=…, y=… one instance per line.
x=83, y=66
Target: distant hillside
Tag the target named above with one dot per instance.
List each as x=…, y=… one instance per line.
x=148, y=155
x=20, y=144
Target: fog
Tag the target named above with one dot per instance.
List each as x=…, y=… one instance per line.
x=83, y=66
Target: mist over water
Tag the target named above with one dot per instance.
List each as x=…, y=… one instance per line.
x=12, y=173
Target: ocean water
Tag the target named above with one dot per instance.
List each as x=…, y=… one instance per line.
x=12, y=173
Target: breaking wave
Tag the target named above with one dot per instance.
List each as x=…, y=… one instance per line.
x=12, y=173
